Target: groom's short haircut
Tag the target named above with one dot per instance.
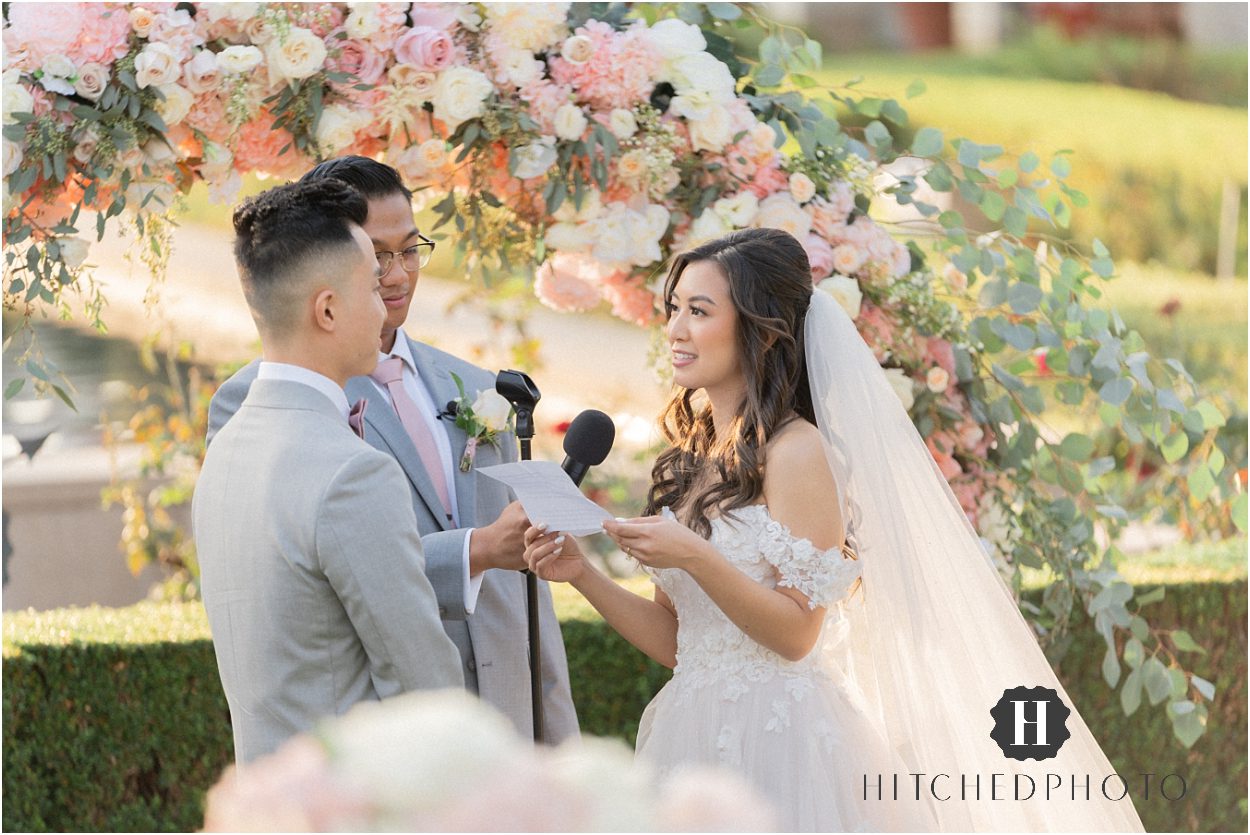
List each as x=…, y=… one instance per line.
x=371, y=178
x=287, y=238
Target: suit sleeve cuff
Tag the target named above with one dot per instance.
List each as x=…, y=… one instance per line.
x=472, y=585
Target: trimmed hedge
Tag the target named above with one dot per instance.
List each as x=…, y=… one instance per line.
x=115, y=719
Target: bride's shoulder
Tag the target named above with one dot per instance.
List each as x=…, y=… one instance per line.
x=799, y=488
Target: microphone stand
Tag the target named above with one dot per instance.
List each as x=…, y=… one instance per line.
x=518, y=389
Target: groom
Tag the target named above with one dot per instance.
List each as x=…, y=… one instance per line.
x=472, y=536
x=311, y=567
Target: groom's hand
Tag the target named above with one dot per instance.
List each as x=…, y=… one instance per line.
x=501, y=544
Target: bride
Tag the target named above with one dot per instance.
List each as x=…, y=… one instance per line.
x=835, y=631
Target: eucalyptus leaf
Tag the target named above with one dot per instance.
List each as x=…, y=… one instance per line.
x=1206, y=688
x=1130, y=693
x=1116, y=391
x=1110, y=669
x=1185, y=642
x=1158, y=683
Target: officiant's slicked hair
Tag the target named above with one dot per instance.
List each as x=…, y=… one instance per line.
x=288, y=237
x=770, y=283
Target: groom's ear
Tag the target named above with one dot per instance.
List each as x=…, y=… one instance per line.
x=324, y=305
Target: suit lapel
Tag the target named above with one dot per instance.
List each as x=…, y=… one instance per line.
x=443, y=389
x=384, y=431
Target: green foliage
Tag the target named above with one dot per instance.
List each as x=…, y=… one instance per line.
x=114, y=719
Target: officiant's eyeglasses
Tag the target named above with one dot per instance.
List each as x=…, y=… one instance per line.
x=412, y=259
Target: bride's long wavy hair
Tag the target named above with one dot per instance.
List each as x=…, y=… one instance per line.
x=770, y=283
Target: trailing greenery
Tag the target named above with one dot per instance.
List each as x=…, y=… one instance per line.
x=1133, y=152
x=114, y=719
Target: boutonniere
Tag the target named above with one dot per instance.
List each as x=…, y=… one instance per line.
x=482, y=420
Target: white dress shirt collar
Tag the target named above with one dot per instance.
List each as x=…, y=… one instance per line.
x=300, y=374
x=403, y=350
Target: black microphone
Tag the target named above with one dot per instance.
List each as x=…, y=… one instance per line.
x=587, y=443
x=450, y=411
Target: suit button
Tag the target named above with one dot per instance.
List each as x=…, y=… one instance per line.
x=442, y=611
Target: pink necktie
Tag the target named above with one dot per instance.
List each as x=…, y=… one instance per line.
x=390, y=374
x=356, y=418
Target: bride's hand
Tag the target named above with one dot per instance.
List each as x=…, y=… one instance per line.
x=659, y=542
x=553, y=556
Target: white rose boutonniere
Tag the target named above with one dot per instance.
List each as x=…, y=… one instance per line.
x=482, y=420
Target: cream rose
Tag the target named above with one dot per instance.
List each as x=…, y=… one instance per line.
x=461, y=95
x=88, y=141
x=847, y=258
x=433, y=153
x=802, y=188
x=739, y=210
x=845, y=292
x=632, y=165
x=713, y=132
x=570, y=122
x=336, y=129
x=937, y=379
x=492, y=410
x=202, y=74
x=17, y=99
x=156, y=65
x=534, y=159
x=577, y=49
x=706, y=227
x=779, y=211
x=176, y=105
x=763, y=137
x=622, y=123
x=141, y=21
x=92, y=79
x=73, y=251
x=296, y=57
x=902, y=385
x=239, y=59
x=674, y=38
x=12, y=156
x=364, y=22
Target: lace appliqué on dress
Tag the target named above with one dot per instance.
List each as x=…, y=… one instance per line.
x=825, y=577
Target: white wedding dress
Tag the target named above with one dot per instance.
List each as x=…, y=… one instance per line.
x=797, y=730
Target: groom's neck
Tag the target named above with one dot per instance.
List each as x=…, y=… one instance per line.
x=305, y=357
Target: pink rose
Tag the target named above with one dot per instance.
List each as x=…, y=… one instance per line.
x=940, y=447
x=425, y=48
x=434, y=15
x=820, y=255
x=359, y=59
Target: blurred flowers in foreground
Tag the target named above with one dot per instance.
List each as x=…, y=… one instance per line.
x=445, y=761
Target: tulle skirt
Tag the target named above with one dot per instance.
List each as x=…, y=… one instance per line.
x=803, y=741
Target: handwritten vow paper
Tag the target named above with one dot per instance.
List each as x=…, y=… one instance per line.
x=549, y=496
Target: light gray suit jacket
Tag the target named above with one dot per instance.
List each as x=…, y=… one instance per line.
x=311, y=570
x=493, y=641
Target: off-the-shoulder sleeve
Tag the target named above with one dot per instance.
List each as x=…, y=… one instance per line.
x=825, y=577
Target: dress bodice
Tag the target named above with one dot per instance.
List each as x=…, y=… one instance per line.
x=709, y=643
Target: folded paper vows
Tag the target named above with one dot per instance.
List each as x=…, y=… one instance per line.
x=550, y=497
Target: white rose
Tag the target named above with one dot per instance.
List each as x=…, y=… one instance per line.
x=622, y=123
x=202, y=74
x=937, y=379
x=461, y=95
x=57, y=72
x=568, y=237
x=706, y=227
x=704, y=72
x=713, y=132
x=845, y=292
x=12, y=156
x=902, y=385
x=74, y=251
x=739, y=210
x=763, y=137
x=298, y=56
x=570, y=122
x=239, y=59
x=92, y=79
x=613, y=243
x=519, y=66
x=674, y=38
x=176, y=105
x=141, y=21
x=336, y=129
x=577, y=49
x=17, y=99
x=802, y=188
x=492, y=409
x=591, y=208
x=696, y=104
x=779, y=211
x=363, y=22
x=632, y=166
x=534, y=159
x=156, y=65
x=467, y=16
